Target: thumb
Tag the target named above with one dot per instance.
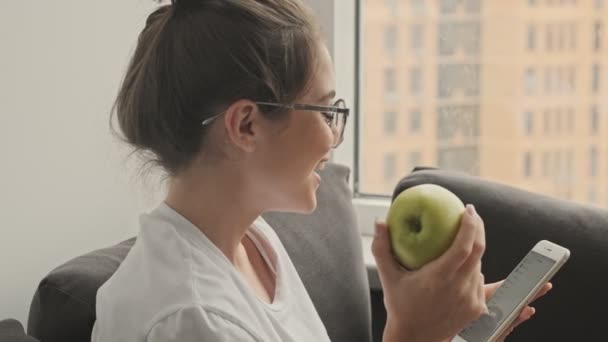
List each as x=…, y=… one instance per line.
x=388, y=267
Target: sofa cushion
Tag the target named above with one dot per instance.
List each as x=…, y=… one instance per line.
x=515, y=221
x=324, y=246
x=11, y=330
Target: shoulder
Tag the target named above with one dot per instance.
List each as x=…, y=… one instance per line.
x=199, y=323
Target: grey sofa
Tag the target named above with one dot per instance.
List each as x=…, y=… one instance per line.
x=325, y=248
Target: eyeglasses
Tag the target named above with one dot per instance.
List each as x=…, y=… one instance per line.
x=335, y=115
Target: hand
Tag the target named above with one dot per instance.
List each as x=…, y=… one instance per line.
x=525, y=314
x=438, y=300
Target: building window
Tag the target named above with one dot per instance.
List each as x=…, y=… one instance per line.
x=392, y=5
x=528, y=164
x=571, y=80
x=546, y=163
x=417, y=38
x=458, y=77
x=415, y=120
x=558, y=120
x=595, y=119
x=390, y=81
x=547, y=121
x=593, y=161
x=570, y=120
x=414, y=159
x=418, y=6
x=463, y=159
x=528, y=122
x=595, y=78
x=464, y=36
x=390, y=39
x=457, y=121
x=416, y=80
x=549, y=37
x=530, y=81
x=390, y=122
x=561, y=37
x=390, y=164
x=549, y=80
x=531, y=37
x=597, y=36
x=572, y=40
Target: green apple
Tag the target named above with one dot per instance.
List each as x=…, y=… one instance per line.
x=423, y=221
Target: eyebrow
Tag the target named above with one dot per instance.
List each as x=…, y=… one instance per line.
x=330, y=95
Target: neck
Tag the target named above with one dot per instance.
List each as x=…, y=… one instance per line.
x=219, y=202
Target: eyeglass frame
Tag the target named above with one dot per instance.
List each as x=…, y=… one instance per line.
x=335, y=109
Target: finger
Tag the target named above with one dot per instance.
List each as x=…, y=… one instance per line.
x=481, y=292
x=460, y=250
x=546, y=288
x=478, y=249
x=525, y=315
x=388, y=267
x=490, y=289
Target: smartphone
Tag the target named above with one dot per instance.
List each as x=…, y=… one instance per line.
x=517, y=291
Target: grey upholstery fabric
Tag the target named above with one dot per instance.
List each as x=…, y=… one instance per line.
x=515, y=220
x=11, y=330
x=324, y=247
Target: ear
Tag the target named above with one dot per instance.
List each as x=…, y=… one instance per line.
x=242, y=124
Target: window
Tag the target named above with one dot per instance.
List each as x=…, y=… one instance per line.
x=561, y=37
x=417, y=38
x=572, y=40
x=462, y=158
x=458, y=78
x=595, y=78
x=528, y=164
x=390, y=39
x=390, y=81
x=593, y=162
x=531, y=37
x=546, y=164
x=595, y=120
x=597, y=36
x=416, y=80
x=477, y=91
x=528, y=122
x=459, y=36
x=390, y=122
x=390, y=164
x=415, y=120
x=570, y=120
x=549, y=37
x=530, y=81
x=392, y=5
x=418, y=6
x=457, y=121
x=558, y=120
x=414, y=159
x=549, y=80
x=571, y=80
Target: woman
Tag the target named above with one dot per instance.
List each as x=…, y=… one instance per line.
x=234, y=99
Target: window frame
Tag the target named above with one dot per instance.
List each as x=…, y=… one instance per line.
x=346, y=35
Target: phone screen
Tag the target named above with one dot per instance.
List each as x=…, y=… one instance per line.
x=505, y=300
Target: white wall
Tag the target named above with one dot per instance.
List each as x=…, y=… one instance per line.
x=65, y=188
